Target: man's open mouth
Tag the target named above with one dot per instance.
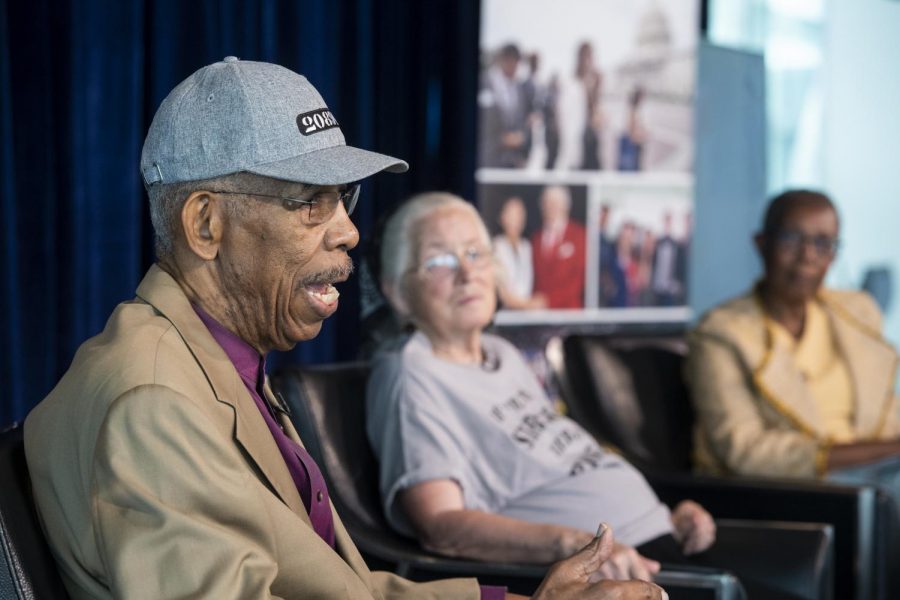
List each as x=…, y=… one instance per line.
x=325, y=293
x=321, y=290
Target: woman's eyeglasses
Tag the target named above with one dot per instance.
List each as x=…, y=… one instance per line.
x=791, y=240
x=447, y=264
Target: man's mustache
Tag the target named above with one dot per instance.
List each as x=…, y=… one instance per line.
x=337, y=273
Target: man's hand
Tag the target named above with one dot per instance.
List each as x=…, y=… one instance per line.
x=695, y=529
x=573, y=577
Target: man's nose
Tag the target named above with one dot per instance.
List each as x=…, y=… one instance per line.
x=342, y=233
x=808, y=250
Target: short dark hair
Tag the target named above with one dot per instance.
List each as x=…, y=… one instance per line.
x=510, y=51
x=782, y=204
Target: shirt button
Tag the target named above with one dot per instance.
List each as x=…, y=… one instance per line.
x=319, y=495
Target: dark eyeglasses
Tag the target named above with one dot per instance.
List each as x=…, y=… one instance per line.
x=791, y=240
x=321, y=204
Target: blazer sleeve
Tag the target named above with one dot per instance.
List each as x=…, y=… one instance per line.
x=173, y=514
x=394, y=587
x=728, y=417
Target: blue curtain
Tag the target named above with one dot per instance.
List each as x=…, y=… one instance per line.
x=79, y=83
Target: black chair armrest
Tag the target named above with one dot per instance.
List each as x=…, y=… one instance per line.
x=698, y=583
x=851, y=510
x=794, y=559
x=406, y=557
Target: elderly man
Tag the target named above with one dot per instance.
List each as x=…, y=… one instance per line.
x=506, y=104
x=162, y=465
x=558, y=251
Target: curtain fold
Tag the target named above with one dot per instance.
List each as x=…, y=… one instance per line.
x=80, y=81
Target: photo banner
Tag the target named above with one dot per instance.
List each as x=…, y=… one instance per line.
x=585, y=156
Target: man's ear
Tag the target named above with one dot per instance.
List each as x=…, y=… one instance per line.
x=202, y=223
x=759, y=240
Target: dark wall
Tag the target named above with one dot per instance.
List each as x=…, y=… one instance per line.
x=79, y=83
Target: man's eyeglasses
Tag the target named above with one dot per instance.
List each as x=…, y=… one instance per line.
x=447, y=264
x=793, y=241
x=320, y=205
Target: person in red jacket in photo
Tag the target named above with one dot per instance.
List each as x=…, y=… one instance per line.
x=558, y=252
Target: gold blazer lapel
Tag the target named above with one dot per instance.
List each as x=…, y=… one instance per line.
x=281, y=413
x=872, y=363
x=343, y=542
x=252, y=433
x=250, y=430
x=782, y=385
x=348, y=551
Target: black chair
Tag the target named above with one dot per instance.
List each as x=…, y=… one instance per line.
x=29, y=571
x=630, y=392
x=328, y=409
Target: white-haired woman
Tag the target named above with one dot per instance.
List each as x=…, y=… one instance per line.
x=474, y=460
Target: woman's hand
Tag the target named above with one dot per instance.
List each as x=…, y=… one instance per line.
x=695, y=529
x=625, y=563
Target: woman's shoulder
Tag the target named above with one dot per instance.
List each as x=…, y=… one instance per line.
x=399, y=370
x=734, y=317
x=401, y=351
x=738, y=326
x=853, y=305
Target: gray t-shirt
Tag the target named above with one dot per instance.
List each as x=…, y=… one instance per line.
x=492, y=429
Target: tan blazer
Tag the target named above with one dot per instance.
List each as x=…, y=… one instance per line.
x=156, y=477
x=755, y=415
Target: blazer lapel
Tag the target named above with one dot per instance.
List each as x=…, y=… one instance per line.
x=872, y=370
x=348, y=551
x=250, y=430
x=784, y=388
x=281, y=412
x=252, y=433
x=343, y=542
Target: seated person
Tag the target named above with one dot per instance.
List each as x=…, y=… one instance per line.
x=474, y=460
x=793, y=379
x=162, y=465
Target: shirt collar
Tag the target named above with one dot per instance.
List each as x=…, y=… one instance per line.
x=250, y=365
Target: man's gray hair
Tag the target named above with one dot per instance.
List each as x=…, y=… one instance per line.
x=560, y=191
x=167, y=200
x=399, y=240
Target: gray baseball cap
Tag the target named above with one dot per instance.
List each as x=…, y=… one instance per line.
x=238, y=115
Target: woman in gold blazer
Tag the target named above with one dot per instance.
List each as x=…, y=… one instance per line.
x=793, y=379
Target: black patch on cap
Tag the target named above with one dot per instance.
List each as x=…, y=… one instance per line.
x=315, y=121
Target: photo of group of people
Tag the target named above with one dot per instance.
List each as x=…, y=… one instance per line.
x=585, y=157
x=542, y=260
x=572, y=247
x=644, y=259
x=577, y=85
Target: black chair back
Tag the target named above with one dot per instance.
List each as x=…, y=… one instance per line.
x=28, y=571
x=328, y=408
x=629, y=391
